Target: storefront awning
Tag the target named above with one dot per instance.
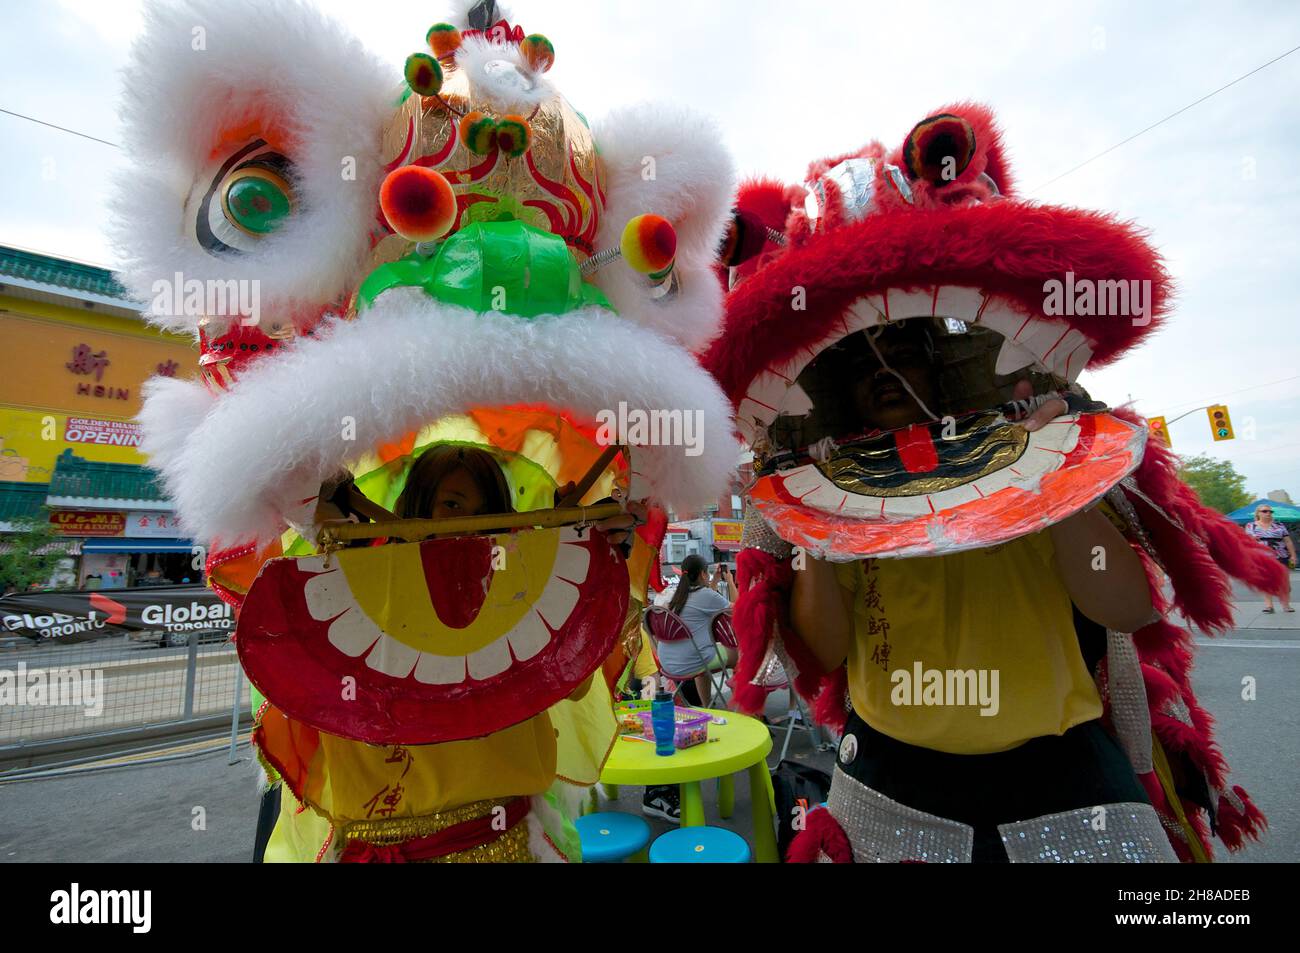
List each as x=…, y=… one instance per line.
x=137, y=546
x=69, y=547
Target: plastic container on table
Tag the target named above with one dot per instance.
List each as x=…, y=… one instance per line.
x=629, y=714
x=691, y=727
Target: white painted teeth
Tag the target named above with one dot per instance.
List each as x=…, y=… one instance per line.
x=529, y=637
x=1012, y=357
x=1031, y=341
x=572, y=563
x=440, y=669
x=490, y=660
x=354, y=634
x=557, y=602
x=393, y=657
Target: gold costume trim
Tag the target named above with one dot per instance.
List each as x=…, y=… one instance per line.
x=510, y=848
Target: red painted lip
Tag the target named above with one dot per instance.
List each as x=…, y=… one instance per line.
x=287, y=653
x=458, y=587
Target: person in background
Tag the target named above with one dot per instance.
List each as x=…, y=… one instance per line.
x=1278, y=540
x=697, y=602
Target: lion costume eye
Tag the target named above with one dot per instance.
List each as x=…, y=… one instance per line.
x=255, y=199
x=248, y=198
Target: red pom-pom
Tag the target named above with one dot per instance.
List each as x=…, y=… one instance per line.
x=938, y=149
x=418, y=203
x=649, y=244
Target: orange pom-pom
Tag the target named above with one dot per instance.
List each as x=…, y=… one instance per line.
x=418, y=203
x=537, y=52
x=444, y=39
x=649, y=244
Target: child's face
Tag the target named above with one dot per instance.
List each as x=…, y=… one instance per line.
x=457, y=495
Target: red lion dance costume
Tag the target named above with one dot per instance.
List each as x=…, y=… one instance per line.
x=932, y=234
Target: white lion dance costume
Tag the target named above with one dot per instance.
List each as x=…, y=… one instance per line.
x=431, y=262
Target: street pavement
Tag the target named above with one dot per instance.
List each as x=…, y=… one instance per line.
x=203, y=809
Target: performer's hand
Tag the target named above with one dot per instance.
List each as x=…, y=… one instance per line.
x=1043, y=415
x=327, y=510
x=617, y=528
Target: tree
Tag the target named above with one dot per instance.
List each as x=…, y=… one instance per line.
x=29, y=555
x=1215, y=481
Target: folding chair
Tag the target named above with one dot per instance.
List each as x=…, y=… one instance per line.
x=795, y=717
x=725, y=633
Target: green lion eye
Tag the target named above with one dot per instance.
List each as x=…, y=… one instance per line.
x=256, y=200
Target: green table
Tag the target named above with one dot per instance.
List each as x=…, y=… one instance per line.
x=742, y=745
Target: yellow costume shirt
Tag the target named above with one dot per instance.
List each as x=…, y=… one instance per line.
x=970, y=653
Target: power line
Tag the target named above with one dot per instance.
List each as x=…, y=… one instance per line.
x=41, y=122
x=1165, y=120
x=1232, y=393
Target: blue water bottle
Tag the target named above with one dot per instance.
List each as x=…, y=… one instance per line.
x=663, y=717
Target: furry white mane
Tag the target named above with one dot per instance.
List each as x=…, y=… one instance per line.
x=237, y=464
x=201, y=68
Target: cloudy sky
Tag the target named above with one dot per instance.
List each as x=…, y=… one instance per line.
x=1216, y=185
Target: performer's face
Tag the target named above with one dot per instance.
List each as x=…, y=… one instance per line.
x=458, y=494
x=881, y=399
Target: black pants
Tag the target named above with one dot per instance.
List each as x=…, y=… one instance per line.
x=267, y=814
x=1082, y=768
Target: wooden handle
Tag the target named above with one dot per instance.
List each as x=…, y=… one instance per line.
x=592, y=475
x=415, y=530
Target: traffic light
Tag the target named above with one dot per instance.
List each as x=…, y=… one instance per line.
x=1159, y=430
x=1220, y=423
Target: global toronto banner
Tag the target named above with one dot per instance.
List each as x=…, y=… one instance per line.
x=69, y=616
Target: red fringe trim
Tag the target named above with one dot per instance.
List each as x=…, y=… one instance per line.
x=1235, y=827
x=762, y=611
x=822, y=835
x=829, y=708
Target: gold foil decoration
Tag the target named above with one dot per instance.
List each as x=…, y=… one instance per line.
x=500, y=185
x=983, y=447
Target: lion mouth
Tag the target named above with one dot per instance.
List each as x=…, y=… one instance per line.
x=1028, y=341
x=430, y=646
x=965, y=480
x=422, y=643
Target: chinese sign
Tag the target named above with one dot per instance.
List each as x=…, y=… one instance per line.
x=726, y=534
x=78, y=523
x=146, y=525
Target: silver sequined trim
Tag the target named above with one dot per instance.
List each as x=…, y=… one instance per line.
x=756, y=534
x=1129, y=712
x=883, y=831
x=1177, y=709
x=1132, y=835
x=1229, y=795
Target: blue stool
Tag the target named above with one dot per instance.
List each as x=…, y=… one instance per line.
x=700, y=845
x=609, y=837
